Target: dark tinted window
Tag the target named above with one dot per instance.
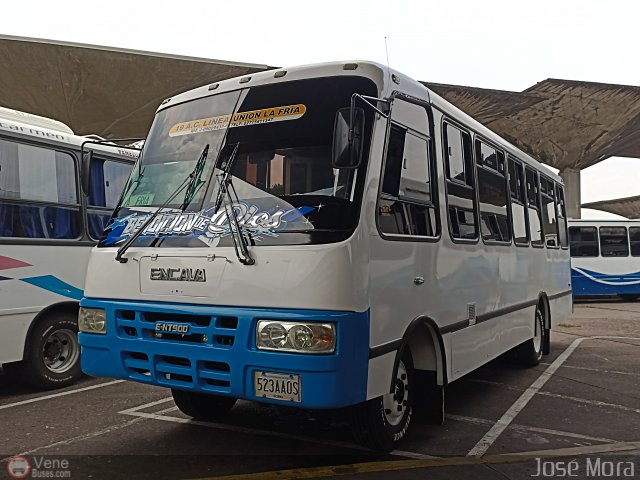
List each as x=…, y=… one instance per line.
x=535, y=215
x=614, y=242
x=634, y=237
x=583, y=241
x=460, y=184
x=549, y=220
x=562, y=216
x=492, y=193
x=407, y=206
x=518, y=203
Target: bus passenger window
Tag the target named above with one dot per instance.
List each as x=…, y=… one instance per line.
x=38, y=193
x=549, y=220
x=634, y=237
x=460, y=185
x=533, y=200
x=406, y=204
x=518, y=203
x=492, y=192
x=614, y=242
x=107, y=179
x=583, y=241
x=562, y=216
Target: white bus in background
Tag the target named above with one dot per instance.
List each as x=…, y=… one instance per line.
x=324, y=236
x=605, y=258
x=47, y=228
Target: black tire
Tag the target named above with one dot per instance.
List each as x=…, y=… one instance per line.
x=530, y=352
x=379, y=428
x=429, y=401
x=202, y=406
x=629, y=297
x=52, y=359
x=546, y=342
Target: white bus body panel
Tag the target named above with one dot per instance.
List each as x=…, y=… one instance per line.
x=21, y=300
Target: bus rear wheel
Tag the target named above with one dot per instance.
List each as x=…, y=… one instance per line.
x=202, y=406
x=530, y=352
x=382, y=422
x=53, y=356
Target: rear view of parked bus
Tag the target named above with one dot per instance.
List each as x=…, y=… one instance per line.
x=605, y=258
x=323, y=237
x=47, y=229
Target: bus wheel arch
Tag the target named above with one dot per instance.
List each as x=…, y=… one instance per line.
x=424, y=341
x=51, y=357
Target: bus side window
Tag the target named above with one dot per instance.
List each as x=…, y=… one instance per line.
x=634, y=238
x=492, y=192
x=583, y=242
x=108, y=179
x=548, y=210
x=533, y=202
x=562, y=216
x=518, y=203
x=38, y=193
x=406, y=205
x=460, y=184
x=614, y=242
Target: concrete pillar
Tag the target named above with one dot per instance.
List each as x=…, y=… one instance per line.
x=571, y=179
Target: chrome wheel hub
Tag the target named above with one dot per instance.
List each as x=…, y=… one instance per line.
x=60, y=351
x=395, y=404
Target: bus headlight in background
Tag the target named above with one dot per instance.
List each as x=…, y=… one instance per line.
x=296, y=337
x=92, y=320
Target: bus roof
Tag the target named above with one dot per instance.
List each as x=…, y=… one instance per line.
x=33, y=127
x=386, y=78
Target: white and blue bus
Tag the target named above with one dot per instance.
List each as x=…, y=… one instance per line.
x=325, y=236
x=47, y=229
x=605, y=258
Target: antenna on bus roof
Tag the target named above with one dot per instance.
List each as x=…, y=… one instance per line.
x=386, y=49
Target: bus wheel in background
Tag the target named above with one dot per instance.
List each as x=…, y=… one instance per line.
x=202, y=406
x=629, y=297
x=382, y=422
x=53, y=356
x=530, y=352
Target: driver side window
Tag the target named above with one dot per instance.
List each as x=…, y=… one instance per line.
x=407, y=203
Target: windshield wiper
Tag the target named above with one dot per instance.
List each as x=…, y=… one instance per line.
x=240, y=244
x=189, y=181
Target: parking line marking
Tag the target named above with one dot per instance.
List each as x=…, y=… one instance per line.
x=525, y=428
x=132, y=410
x=60, y=394
x=597, y=370
x=503, y=422
x=404, y=465
x=87, y=436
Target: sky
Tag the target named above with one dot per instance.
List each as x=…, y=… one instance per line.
x=505, y=45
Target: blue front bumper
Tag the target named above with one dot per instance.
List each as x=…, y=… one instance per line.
x=219, y=354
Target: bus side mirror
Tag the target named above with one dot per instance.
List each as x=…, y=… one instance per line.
x=87, y=158
x=347, y=138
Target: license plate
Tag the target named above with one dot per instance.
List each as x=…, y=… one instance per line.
x=278, y=386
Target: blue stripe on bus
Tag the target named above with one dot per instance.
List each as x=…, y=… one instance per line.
x=55, y=285
x=589, y=282
x=219, y=355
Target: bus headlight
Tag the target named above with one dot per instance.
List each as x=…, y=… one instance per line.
x=296, y=337
x=92, y=320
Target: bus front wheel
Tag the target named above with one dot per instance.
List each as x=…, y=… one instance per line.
x=382, y=422
x=202, y=406
x=52, y=359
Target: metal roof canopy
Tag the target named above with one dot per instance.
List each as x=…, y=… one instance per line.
x=107, y=91
x=628, y=207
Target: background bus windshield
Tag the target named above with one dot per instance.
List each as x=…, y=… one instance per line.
x=282, y=137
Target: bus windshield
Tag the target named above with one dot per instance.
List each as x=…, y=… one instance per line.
x=287, y=191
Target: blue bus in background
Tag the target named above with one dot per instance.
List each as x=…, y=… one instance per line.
x=605, y=258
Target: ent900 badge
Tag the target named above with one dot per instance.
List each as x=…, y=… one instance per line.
x=178, y=274
x=166, y=327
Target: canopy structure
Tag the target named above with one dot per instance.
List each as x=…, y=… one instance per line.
x=569, y=125
x=107, y=91
x=627, y=207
